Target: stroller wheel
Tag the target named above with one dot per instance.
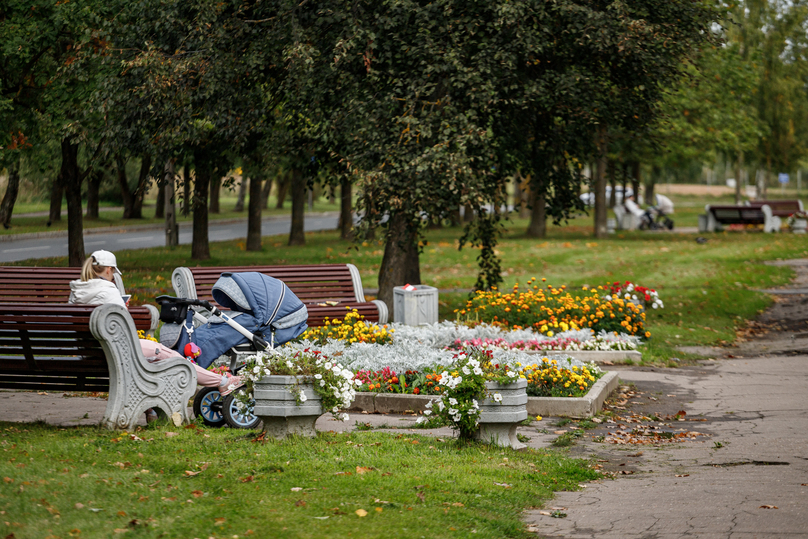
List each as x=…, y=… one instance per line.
x=234, y=417
x=208, y=406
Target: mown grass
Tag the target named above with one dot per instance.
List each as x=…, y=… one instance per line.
x=197, y=482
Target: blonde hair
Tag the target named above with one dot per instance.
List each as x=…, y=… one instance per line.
x=89, y=271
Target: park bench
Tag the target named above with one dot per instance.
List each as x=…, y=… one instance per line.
x=91, y=348
x=35, y=285
x=759, y=212
x=327, y=290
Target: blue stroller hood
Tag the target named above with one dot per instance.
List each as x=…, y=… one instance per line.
x=264, y=306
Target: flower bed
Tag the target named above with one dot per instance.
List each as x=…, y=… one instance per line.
x=551, y=310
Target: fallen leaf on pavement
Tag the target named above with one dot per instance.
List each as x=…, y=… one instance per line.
x=768, y=507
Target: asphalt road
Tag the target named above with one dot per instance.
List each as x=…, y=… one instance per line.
x=55, y=244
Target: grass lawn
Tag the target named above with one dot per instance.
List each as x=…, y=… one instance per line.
x=197, y=482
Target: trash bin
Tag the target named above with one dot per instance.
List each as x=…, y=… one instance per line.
x=415, y=307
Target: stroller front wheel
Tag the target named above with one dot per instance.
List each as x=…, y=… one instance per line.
x=235, y=417
x=208, y=405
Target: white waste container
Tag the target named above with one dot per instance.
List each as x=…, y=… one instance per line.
x=415, y=307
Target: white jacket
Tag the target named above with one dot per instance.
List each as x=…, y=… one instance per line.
x=95, y=292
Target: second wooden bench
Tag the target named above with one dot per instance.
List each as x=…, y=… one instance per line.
x=327, y=290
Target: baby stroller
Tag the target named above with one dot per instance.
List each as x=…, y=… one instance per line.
x=264, y=313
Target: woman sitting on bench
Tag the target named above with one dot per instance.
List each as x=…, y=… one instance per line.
x=97, y=286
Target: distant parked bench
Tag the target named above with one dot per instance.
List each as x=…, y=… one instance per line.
x=759, y=212
x=314, y=284
x=34, y=285
x=91, y=348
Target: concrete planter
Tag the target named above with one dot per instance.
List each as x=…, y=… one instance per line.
x=586, y=406
x=275, y=404
x=799, y=226
x=498, y=420
x=596, y=356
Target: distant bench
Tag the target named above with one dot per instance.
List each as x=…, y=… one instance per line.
x=34, y=285
x=91, y=348
x=768, y=213
x=315, y=285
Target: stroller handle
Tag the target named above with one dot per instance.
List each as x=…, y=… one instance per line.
x=185, y=301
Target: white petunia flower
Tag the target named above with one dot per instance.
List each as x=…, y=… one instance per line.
x=345, y=417
x=318, y=376
x=303, y=397
x=427, y=412
x=497, y=397
x=453, y=401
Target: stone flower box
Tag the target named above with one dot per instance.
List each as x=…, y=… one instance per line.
x=498, y=420
x=586, y=406
x=277, y=407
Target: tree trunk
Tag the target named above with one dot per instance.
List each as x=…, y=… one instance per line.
x=538, y=212
x=764, y=187
x=169, y=206
x=649, y=186
x=93, y=186
x=142, y=186
x=13, y=188
x=254, y=212
x=160, y=204
x=523, y=189
x=57, y=193
x=468, y=213
x=186, y=189
x=613, y=195
x=283, y=188
x=298, y=187
x=71, y=178
x=635, y=179
x=600, y=185
x=200, y=246
x=738, y=171
x=123, y=183
x=242, y=194
x=215, y=189
x=625, y=182
x=400, y=264
x=345, y=209
x=265, y=194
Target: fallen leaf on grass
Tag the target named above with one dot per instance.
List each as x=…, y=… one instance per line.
x=219, y=521
x=247, y=479
x=321, y=518
x=189, y=473
x=197, y=493
x=300, y=503
x=79, y=506
x=296, y=489
x=361, y=513
x=506, y=485
x=420, y=495
x=171, y=434
x=360, y=470
x=379, y=509
x=120, y=530
x=768, y=507
x=343, y=473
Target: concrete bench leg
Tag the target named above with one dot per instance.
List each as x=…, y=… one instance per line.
x=135, y=385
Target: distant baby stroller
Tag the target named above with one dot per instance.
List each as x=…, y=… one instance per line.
x=265, y=313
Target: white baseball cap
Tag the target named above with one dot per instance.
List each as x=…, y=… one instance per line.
x=105, y=258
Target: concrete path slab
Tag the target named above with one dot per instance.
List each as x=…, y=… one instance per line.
x=716, y=486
